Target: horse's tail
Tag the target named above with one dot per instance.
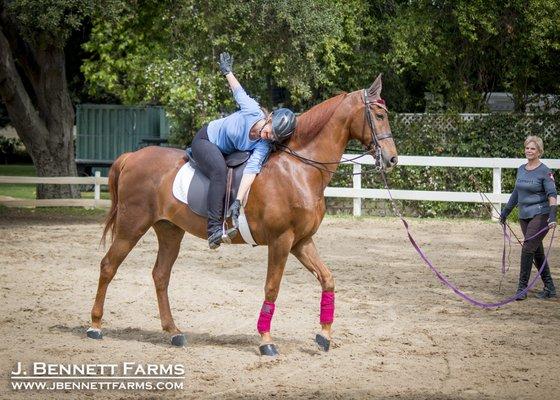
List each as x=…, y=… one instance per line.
x=114, y=174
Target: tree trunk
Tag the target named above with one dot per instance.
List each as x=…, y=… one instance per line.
x=38, y=103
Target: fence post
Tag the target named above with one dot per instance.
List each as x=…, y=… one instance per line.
x=357, y=184
x=496, y=189
x=97, y=190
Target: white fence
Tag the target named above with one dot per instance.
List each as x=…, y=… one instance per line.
x=496, y=197
x=96, y=181
x=356, y=191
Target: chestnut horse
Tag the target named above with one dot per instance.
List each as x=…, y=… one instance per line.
x=289, y=185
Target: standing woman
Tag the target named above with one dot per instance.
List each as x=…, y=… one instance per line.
x=248, y=129
x=535, y=193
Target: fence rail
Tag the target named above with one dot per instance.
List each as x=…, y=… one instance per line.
x=496, y=197
x=356, y=191
x=96, y=181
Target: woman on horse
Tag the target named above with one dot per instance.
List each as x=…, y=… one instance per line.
x=248, y=129
x=535, y=193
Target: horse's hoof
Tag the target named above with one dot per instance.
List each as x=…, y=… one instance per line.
x=323, y=343
x=268, y=349
x=179, y=340
x=94, y=333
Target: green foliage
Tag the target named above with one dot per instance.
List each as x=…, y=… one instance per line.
x=477, y=47
x=297, y=54
x=167, y=55
x=54, y=20
x=494, y=135
x=12, y=151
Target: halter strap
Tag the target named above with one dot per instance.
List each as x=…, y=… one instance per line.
x=375, y=137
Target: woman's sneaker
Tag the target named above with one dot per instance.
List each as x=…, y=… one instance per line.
x=546, y=294
x=521, y=297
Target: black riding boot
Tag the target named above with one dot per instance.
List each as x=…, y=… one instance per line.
x=214, y=233
x=549, y=289
x=524, y=272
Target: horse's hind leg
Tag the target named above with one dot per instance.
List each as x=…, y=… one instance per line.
x=125, y=239
x=169, y=239
x=306, y=252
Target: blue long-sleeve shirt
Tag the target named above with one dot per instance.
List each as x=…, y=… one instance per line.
x=532, y=190
x=231, y=133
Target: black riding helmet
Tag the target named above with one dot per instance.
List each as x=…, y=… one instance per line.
x=283, y=124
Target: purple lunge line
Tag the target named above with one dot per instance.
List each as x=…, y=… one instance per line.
x=443, y=279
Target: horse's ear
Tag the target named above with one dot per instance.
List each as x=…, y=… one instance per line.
x=375, y=88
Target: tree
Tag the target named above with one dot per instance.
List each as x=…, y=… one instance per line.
x=477, y=46
x=33, y=83
x=290, y=52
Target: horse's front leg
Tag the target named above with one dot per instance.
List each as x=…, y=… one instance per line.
x=278, y=251
x=307, y=254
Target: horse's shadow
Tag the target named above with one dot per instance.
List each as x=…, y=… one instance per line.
x=247, y=343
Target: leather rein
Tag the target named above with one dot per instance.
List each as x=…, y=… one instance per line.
x=373, y=148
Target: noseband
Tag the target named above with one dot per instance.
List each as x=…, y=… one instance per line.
x=374, y=145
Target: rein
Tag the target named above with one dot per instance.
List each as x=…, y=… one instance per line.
x=373, y=148
x=322, y=166
x=448, y=283
x=374, y=145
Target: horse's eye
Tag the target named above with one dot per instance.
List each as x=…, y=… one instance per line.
x=379, y=116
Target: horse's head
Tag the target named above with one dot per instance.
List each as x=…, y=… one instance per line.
x=370, y=125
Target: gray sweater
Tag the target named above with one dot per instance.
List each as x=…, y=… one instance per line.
x=532, y=190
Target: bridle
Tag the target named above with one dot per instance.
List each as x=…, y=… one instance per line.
x=372, y=148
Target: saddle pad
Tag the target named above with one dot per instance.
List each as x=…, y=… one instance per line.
x=184, y=181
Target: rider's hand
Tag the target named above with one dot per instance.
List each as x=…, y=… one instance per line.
x=226, y=63
x=234, y=211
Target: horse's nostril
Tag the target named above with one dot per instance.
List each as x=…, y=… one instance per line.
x=394, y=160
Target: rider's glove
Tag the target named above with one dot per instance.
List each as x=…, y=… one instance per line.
x=226, y=63
x=233, y=211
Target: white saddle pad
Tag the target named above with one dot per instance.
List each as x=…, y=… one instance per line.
x=181, y=189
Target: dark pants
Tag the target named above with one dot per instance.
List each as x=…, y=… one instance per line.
x=531, y=226
x=534, y=250
x=212, y=163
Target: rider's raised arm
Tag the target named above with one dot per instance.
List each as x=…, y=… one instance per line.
x=245, y=102
x=233, y=82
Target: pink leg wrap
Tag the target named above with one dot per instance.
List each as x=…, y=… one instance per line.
x=327, y=308
x=267, y=311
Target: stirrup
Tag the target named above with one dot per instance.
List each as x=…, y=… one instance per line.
x=228, y=235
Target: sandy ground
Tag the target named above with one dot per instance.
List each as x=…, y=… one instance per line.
x=398, y=332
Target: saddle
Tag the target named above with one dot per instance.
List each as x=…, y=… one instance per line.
x=198, y=190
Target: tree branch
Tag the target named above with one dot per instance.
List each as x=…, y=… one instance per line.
x=29, y=126
x=22, y=52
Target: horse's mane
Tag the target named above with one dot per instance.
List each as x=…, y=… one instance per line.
x=310, y=123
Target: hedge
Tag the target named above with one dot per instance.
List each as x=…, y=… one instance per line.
x=492, y=135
